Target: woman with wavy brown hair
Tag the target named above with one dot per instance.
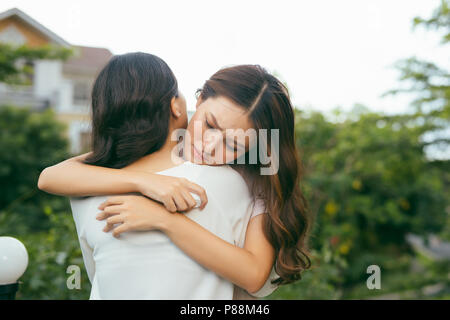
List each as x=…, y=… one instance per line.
x=266, y=104
x=287, y=222
x=234, y=99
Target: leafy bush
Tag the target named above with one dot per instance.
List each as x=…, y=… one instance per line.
x=30, y=142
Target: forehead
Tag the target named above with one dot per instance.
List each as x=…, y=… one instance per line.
x=229, y=115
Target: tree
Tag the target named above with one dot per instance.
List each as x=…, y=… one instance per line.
x=31, y=141
x=369, y=184
x=13, y=66
x=430, y=84
x=372, y=178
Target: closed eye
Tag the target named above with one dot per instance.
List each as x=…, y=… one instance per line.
x=208, y=124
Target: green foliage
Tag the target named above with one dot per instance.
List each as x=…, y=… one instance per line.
x=13, y=66
x=431, y=86
x=358, y=176
x=30, y=142
x=440, y=20
x=429, y=83
x=369, y=183
x=50, y=253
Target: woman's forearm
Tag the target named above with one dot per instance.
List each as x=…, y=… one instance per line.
x=74, y=178
x=246, y=269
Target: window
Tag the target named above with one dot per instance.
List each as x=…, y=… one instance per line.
x=81, y=93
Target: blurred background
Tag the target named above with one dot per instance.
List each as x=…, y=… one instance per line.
x=371, y=85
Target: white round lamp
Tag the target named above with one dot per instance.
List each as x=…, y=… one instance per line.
x=13, y=263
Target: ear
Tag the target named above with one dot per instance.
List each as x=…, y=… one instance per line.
x=175, y=108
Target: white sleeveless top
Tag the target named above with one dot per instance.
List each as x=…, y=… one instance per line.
x=147, y=265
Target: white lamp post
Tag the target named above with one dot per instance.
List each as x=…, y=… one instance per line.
x=13, y=263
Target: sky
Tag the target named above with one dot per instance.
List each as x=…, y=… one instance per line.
x=329, y=53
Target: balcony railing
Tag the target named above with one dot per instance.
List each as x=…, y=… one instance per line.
x=22, y=96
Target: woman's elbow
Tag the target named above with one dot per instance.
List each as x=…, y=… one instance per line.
x=256, y=282
x=43, y=183
x=52, y=178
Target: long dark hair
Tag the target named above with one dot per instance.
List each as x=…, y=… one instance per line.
x=130, y=109
x=287, y=222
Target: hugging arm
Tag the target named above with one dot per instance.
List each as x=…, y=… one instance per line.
x=72, y=177
x=247, y=267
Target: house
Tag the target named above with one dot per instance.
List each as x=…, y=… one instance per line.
x=64, y=86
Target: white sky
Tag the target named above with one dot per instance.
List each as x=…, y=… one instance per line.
x=330, y=53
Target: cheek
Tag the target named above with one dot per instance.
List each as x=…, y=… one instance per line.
x=195, y=129
x=229, y=155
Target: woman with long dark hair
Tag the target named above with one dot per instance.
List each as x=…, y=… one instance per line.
x=235, y=99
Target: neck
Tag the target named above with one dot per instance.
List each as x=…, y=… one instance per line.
x=164, y=158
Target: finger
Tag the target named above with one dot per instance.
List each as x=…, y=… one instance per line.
x=170, y=204
x=115, y=219
x=189, y=199
x=108, y=227
x=180, y=202
x=195, y=188
x=111, y=201
x=107, y=213
x=114, y=209
x=120, y=229
x=103, y=215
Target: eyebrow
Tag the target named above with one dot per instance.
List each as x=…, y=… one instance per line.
x=221, y=129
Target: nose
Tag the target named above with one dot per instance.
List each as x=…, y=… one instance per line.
x=211, y=139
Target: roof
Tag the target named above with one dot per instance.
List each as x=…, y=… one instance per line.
x=87, y=59
x=36, y=25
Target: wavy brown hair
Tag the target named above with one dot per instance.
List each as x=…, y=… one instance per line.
x=287, y=222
